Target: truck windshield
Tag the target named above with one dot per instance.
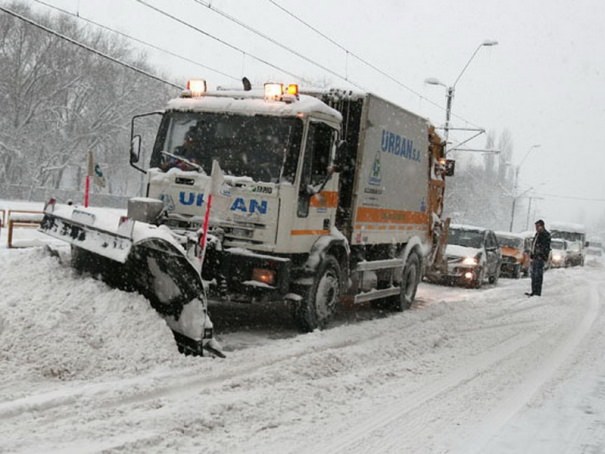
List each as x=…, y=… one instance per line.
x=466, y=238
x=557, y=244
x=264, y=148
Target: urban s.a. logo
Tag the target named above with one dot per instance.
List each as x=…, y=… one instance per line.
x=399, y=145
x=375, y=178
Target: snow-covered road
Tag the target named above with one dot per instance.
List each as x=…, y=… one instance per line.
x=88, y=369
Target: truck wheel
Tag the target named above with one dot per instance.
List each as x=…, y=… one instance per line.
x=517, y=272
x=409, y=284
x=319, y=303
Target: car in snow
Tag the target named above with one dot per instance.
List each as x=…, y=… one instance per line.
x=595, y=248
x=559, y=255
x=473, y=255
x=528, y=238
x=513, y=258
x=565, y=253
x=575, y=253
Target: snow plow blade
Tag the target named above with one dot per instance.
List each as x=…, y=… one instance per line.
x=138, y=257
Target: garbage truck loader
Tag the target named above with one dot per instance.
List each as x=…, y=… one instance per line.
x=316, y=197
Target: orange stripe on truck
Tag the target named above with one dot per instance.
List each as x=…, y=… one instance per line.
x=325, y=199
x=383, y=215
x=309, y=232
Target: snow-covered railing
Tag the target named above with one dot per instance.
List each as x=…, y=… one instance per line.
x=22, y=219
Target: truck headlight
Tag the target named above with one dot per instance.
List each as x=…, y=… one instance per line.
x=263, y=275
x=469, y=261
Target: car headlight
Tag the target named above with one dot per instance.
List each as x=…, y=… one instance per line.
x=469, y=261
x=557, y=257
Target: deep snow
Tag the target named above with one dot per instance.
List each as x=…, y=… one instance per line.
x=89, y=369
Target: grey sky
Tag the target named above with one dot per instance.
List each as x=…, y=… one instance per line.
x=543, y=82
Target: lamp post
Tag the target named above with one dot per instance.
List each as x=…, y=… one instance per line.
x=516, y=184
x=450, y=89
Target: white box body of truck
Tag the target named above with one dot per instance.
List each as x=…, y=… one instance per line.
x=389, y=203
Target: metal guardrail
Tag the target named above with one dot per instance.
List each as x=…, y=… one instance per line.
x=22, y=219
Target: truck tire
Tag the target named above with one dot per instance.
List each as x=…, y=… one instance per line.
x=517, y=272
x=409, y=284
x=318, y=305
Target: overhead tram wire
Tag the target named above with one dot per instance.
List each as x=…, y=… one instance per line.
x=557, y=196
x=225, y=43
x=88, y=48
x=313, y=62
x=140, y=41
x=277, y=43
x=367, y=63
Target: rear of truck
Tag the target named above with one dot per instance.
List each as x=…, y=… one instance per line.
x=391, y=197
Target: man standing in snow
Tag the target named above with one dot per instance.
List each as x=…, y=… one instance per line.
x=540, y=251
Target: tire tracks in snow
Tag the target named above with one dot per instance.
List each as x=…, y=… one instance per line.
x=194, y=379
x=368, y=435
x=147, y=387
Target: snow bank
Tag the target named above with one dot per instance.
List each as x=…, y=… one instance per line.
x=82, y=330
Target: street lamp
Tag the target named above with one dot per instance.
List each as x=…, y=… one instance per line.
x=450, y=89
x=516, y=184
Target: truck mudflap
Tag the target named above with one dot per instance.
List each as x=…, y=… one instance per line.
x=134, y=258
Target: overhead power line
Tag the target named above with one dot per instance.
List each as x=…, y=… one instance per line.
x=348, y=52
x=362, y=60
x=558, y=196
x=274, y=41
x=88, y=48
x=140, y=41
x=222, y=41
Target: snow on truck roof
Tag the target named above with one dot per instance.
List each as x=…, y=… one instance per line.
x=567, y=227
x=252, y=103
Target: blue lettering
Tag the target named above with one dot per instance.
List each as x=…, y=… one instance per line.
x=385, y=140
x=408, y=149
x=399, y=146
x=239, y=205
x=190, y=199
x=391, y=142
x=255, y=206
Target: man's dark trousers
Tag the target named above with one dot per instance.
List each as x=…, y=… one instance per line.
x=537, y=276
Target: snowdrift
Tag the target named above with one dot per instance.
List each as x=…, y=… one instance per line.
x=70, y=326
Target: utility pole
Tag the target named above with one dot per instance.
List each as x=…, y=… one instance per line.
x=516, y=185
x=531, y=198
x=450, y=90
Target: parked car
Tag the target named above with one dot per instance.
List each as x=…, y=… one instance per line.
x=473, y=255
x=513, y=258
x=575, y=253
x=559, y=255
x=595, y=248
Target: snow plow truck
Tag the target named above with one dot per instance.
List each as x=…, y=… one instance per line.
x=317, y=197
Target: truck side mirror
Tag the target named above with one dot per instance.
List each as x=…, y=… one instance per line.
x=135, y=149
